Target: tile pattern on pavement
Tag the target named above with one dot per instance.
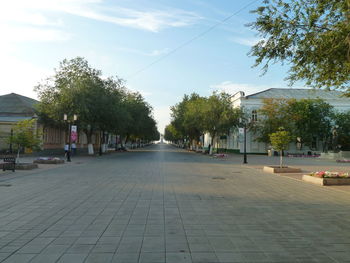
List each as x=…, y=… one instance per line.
x=162, y=204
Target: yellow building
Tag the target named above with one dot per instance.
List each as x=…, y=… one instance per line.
x=15, y=108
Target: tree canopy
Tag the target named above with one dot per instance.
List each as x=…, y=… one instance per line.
x=196, y=115
x=25, y=135
x=102, y=104
x=280, y=141
x=312, y=36
x=307, y=120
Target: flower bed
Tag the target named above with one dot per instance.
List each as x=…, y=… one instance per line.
x=303, y=155
x=327, y=178
x=343, y=161
x=219, y=155
x=327, y=174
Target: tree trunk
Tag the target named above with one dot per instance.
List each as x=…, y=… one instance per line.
x=104, y=144
x=90, y=149
x=281, y=159
x=18, y=150
x=217, y=145
x=211, y=144
x=89, y=141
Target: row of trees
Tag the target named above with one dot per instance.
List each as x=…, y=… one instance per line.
x=102, y=104
x=308, y=121
x=196, y=115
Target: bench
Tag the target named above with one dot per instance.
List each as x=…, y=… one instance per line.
x=9, y=163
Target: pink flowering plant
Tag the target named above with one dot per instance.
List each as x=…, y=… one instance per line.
x=327, y=174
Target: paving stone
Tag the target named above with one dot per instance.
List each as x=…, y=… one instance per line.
x=126, y=258
x=72, y=258
x=19, y=258
x=178, y=258
x=46, y=258
x=204, y=257
x=99, y=258
x=163, y=203
x=152, y=258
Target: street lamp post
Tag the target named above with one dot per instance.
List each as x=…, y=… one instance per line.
x=245, y=144
x=244, y=122
x=65, y=118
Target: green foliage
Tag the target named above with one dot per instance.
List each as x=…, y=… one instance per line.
x=188, y=116
x=195, y=115
x=312, y=36
x=342, y=122
x=101, y=104
x=219, y=115
x=25, y=135
x=307, y=119
x=311, y=119
x=273, y=114
x=280, y=139
x=171, y=134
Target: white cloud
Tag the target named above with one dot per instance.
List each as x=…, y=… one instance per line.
x=153, y=53
x=232, y=88
x=158, y=52
x=245, y=41
x=151, y=20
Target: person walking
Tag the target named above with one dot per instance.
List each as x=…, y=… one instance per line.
x=67, y=152
x=74, y=148
x=66, y=149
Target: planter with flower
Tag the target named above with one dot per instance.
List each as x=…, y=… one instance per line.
x=327, y=178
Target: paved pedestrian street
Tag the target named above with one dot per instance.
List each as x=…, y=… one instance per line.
x=164, y=204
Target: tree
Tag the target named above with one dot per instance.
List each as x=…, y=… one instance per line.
x=342, y=122
x=75, y=88
x=279, y=141
x=274, y=114
x=142, y=123
x=311, y=120
x=178, y=115
x=220, y=116
x=171, y=134
x=193, y=119
x=103, y=105
x=25, y=135
x=312, y=36
x=188, y=117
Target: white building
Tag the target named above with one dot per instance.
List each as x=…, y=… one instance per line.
x=252, y=103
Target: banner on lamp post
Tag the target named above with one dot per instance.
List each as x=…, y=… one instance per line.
x=74, y=133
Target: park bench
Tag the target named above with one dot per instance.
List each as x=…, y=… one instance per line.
x=9, y=163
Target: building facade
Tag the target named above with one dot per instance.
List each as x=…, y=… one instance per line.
x=15, y=108
x=251, y=105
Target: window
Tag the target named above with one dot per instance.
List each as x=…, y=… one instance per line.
x=254, y=115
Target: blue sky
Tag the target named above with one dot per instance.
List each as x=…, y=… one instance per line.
x=123, y=36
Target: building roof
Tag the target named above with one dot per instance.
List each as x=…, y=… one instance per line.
x=13, y=118
x=298, y=94
x=16, y=105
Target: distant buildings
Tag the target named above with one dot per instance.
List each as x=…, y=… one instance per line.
x=252, y=103
x=14, y=108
